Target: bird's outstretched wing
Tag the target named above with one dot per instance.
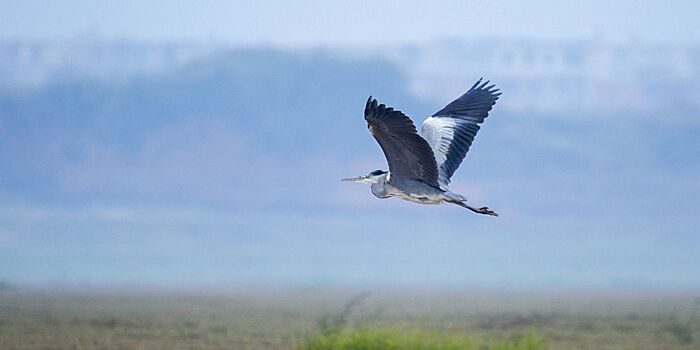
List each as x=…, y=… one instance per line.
x=409, y=155
x=451, y=130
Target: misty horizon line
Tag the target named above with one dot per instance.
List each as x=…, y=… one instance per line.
x=407, y=288
x=95, y=37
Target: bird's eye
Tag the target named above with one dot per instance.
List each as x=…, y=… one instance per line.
x=376, y=173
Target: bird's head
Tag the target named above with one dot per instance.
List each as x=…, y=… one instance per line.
x=370, y=178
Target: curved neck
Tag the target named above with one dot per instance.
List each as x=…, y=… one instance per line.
x=379, y=188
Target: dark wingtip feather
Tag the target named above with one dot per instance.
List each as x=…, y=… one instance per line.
x=475, y=103
x=476, y=84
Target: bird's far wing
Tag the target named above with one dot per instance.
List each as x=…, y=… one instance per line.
x=409, y=155
x=451, y=130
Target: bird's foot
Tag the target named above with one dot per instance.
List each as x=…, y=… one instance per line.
x=486, y=211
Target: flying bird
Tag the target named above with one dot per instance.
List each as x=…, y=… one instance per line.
x=421, y=165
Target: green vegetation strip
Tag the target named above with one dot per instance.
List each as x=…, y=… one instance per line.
x=396, y=339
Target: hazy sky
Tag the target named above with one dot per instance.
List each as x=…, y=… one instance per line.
x=137, y=178
x=349, y=22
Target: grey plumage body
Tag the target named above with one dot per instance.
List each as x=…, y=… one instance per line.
x=420, y=166
x=412, y=190
x=408, y=189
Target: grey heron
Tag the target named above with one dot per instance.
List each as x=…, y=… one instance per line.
x=421, y=165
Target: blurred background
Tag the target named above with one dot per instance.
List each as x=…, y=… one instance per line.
x=170, y=174
x=200, y=144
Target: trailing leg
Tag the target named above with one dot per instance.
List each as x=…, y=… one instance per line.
x=482, y=210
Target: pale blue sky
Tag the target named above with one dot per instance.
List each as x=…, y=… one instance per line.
x=137, y=179
x=309, y=22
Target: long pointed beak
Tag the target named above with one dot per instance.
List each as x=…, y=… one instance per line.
x=354, y=179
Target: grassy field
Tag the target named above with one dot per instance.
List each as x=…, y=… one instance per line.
x=319, y=318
